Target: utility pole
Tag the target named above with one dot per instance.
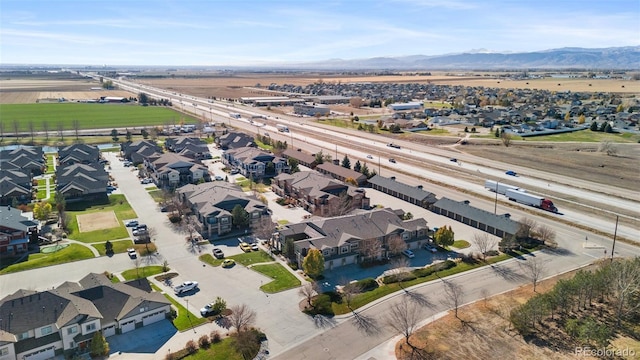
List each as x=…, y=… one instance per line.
x=495, y=204
x=378, y=164
x=615, y=232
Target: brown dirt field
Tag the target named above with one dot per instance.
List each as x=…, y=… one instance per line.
x=97, y=221
x=25, y=91
x=487, y=334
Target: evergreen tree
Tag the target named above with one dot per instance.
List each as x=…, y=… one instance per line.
x=594, y=126
x=357, y=166
x=99, y=345
x=346, y=163
x=240, y=216
x=603, y=126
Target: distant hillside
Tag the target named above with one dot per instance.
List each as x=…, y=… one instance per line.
x=576, y=58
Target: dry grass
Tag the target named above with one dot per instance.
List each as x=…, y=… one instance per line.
x=486, y=333
x=97, y=221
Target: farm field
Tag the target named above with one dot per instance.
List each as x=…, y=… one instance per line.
x=89, y=116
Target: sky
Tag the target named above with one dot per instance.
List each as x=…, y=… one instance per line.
x=268, y=32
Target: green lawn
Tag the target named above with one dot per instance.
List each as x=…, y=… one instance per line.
x=73, y=252
x=119, y=246
x=42, y=189
x=50, y=160
x=89, y=116
x=263, y=146
x=117, y=203
x=142, y=272
x=461, y=244
x=185, y=320
x=209, y=259
x=282, y=278
x=253, y=257
x=587, y=136
x=155, y=193
x=224, y=350
x=437, y=105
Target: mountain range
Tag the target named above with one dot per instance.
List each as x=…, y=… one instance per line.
x=614, y=58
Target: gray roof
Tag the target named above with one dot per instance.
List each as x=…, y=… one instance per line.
x=341, y=171
x=413, y=192
x=462, y=208
x=219, y=198
x=12, y=218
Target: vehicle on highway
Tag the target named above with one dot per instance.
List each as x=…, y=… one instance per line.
x=369, y=157
x=132, y=253
x=218, y=253
x=453, y=160
x=530, y=199
x=282, y=128
x=408, y=253
x=245, y=247
x=186, y=286
x=227, y=263
x=511, y=173
x=131, y=223
x=392, y=160
x=393, y=145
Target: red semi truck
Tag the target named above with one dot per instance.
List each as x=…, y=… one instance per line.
x=529, y=199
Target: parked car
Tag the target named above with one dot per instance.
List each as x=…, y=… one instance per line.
x=186, y=286
x=511, y=173
x=392, y=160
x=235, y=171
x=145, y=239
x=369, y=157
x=218, y=253
x=430, y=248
x=132, y=253
x=139, y=232
x=127, y=163
x=146, y=181
x=255, y=247
x=140, y=227
x=227, y=263
x=206, y=310
x=408, y=253
x=131, y=223
x=245, y=247
x=218, y=178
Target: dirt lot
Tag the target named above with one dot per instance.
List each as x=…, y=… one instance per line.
x=487, y=333
x=27, y=91
x=97, y=221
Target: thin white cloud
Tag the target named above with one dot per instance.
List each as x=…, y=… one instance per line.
x=137, y=23
x=8, y=34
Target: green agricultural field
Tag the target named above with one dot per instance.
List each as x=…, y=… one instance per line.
x=89, y=116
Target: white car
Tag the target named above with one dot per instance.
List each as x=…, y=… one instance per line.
x=185, y=286
x=132, y=253
x=408, y=253
x=146, y=181
x=431, y=248
x=369, y=157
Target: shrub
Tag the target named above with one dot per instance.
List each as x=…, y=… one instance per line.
x=398, y=277
x=322, y=304
x=364, y=285
x=191, y=347
x=172, y=314
x=203, y=341
x=293, y=265
x=215, y=337
x=492, y=253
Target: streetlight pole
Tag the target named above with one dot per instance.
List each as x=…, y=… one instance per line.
x=615, y=232
x=495, y=204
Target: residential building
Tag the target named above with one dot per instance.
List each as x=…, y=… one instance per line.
x=234, y=140
x=498, y=225
x=30, y=159
x=171, y=170
x=62, y=321
x=302, y=157
x=79, y=181
x=78, y=154
x=137, y=151
x=15, y=231
x=212, y=204
x=15, y=187
x=193, y=148
x=352, y=239
x=320, y=194
x=412, y=194
x=406, y=106
x=255, y=163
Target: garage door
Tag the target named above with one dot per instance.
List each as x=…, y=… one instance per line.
x=152, y=318
x=43, y=354
x=109, y=331
x=128, y=326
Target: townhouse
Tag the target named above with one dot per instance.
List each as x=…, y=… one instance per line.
x=255, y=163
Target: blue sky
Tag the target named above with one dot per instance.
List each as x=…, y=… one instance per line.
x=242, y=32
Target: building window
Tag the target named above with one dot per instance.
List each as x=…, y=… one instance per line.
x=325, y=252
x=72, y=330
x=344, y=249
x=23, y=336
x=46, y=330
x=90, y=327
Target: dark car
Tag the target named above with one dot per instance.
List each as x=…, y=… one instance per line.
x=392, y=160
x=510, y=173
x=453, y=160
x=393, y=145
x=218, y=253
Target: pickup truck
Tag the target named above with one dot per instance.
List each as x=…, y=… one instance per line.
x=185, y=286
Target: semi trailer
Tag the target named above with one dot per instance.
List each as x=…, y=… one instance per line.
x=530, y=199
x=499, y=187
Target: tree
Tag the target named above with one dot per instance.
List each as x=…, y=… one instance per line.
x=313, y=263
x=346, y=163
x=594, y=126
x=525, y=228
x=114, y=135
x=547, y=235
x=61, y=202
x=444, y=236
x=263, y=228
x=16, y=129
x=608, y=147
x=608, y=129
x=76, y=128
x=219, y=305
x=240, y=216
x=241, y=317
x=309, y=290
x=497, y=133
x=293, y=165
x=1, y=131
x=128, y=135
x=357, y=166
x=365, y=170
x=484, y=242
x=395, y=244
x=42, y=210
x=506, y=138
x=351, y=181
x=61, y=130
x=581, y=119
x=32, y=129
x=145, y=133
x=355, y=102
x=319, y=157
x=370, y=249
x=603, y=125
x=507, y=244
x=625, y=287
x=453, y=296
x=99, y=345
x=289, y=249
x=567, y=117
x=108, y=247
x=534, y=269
x=247, y=343
x=143, y=98
x=404, y=318
x=400, y=268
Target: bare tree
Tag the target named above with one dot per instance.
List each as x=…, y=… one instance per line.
x=355, y=102
x=349, y=291
x=395, y=244
x=453, y=296
x=506, y=139
x=525, y=228
x=404, y=317
x=484, y=242
x=625, y=287
x=76, y=128
x=247, y=344
x=16, y=129
x=45, y=128
x=241, y=317
x=32, y=129
x=339, y=206
x=309, y=290
x=263, y=228
x=534, y=269
x=608, y=147
x=61, y=130
x=400, y=268
x=547, y=235
x=370, y=249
